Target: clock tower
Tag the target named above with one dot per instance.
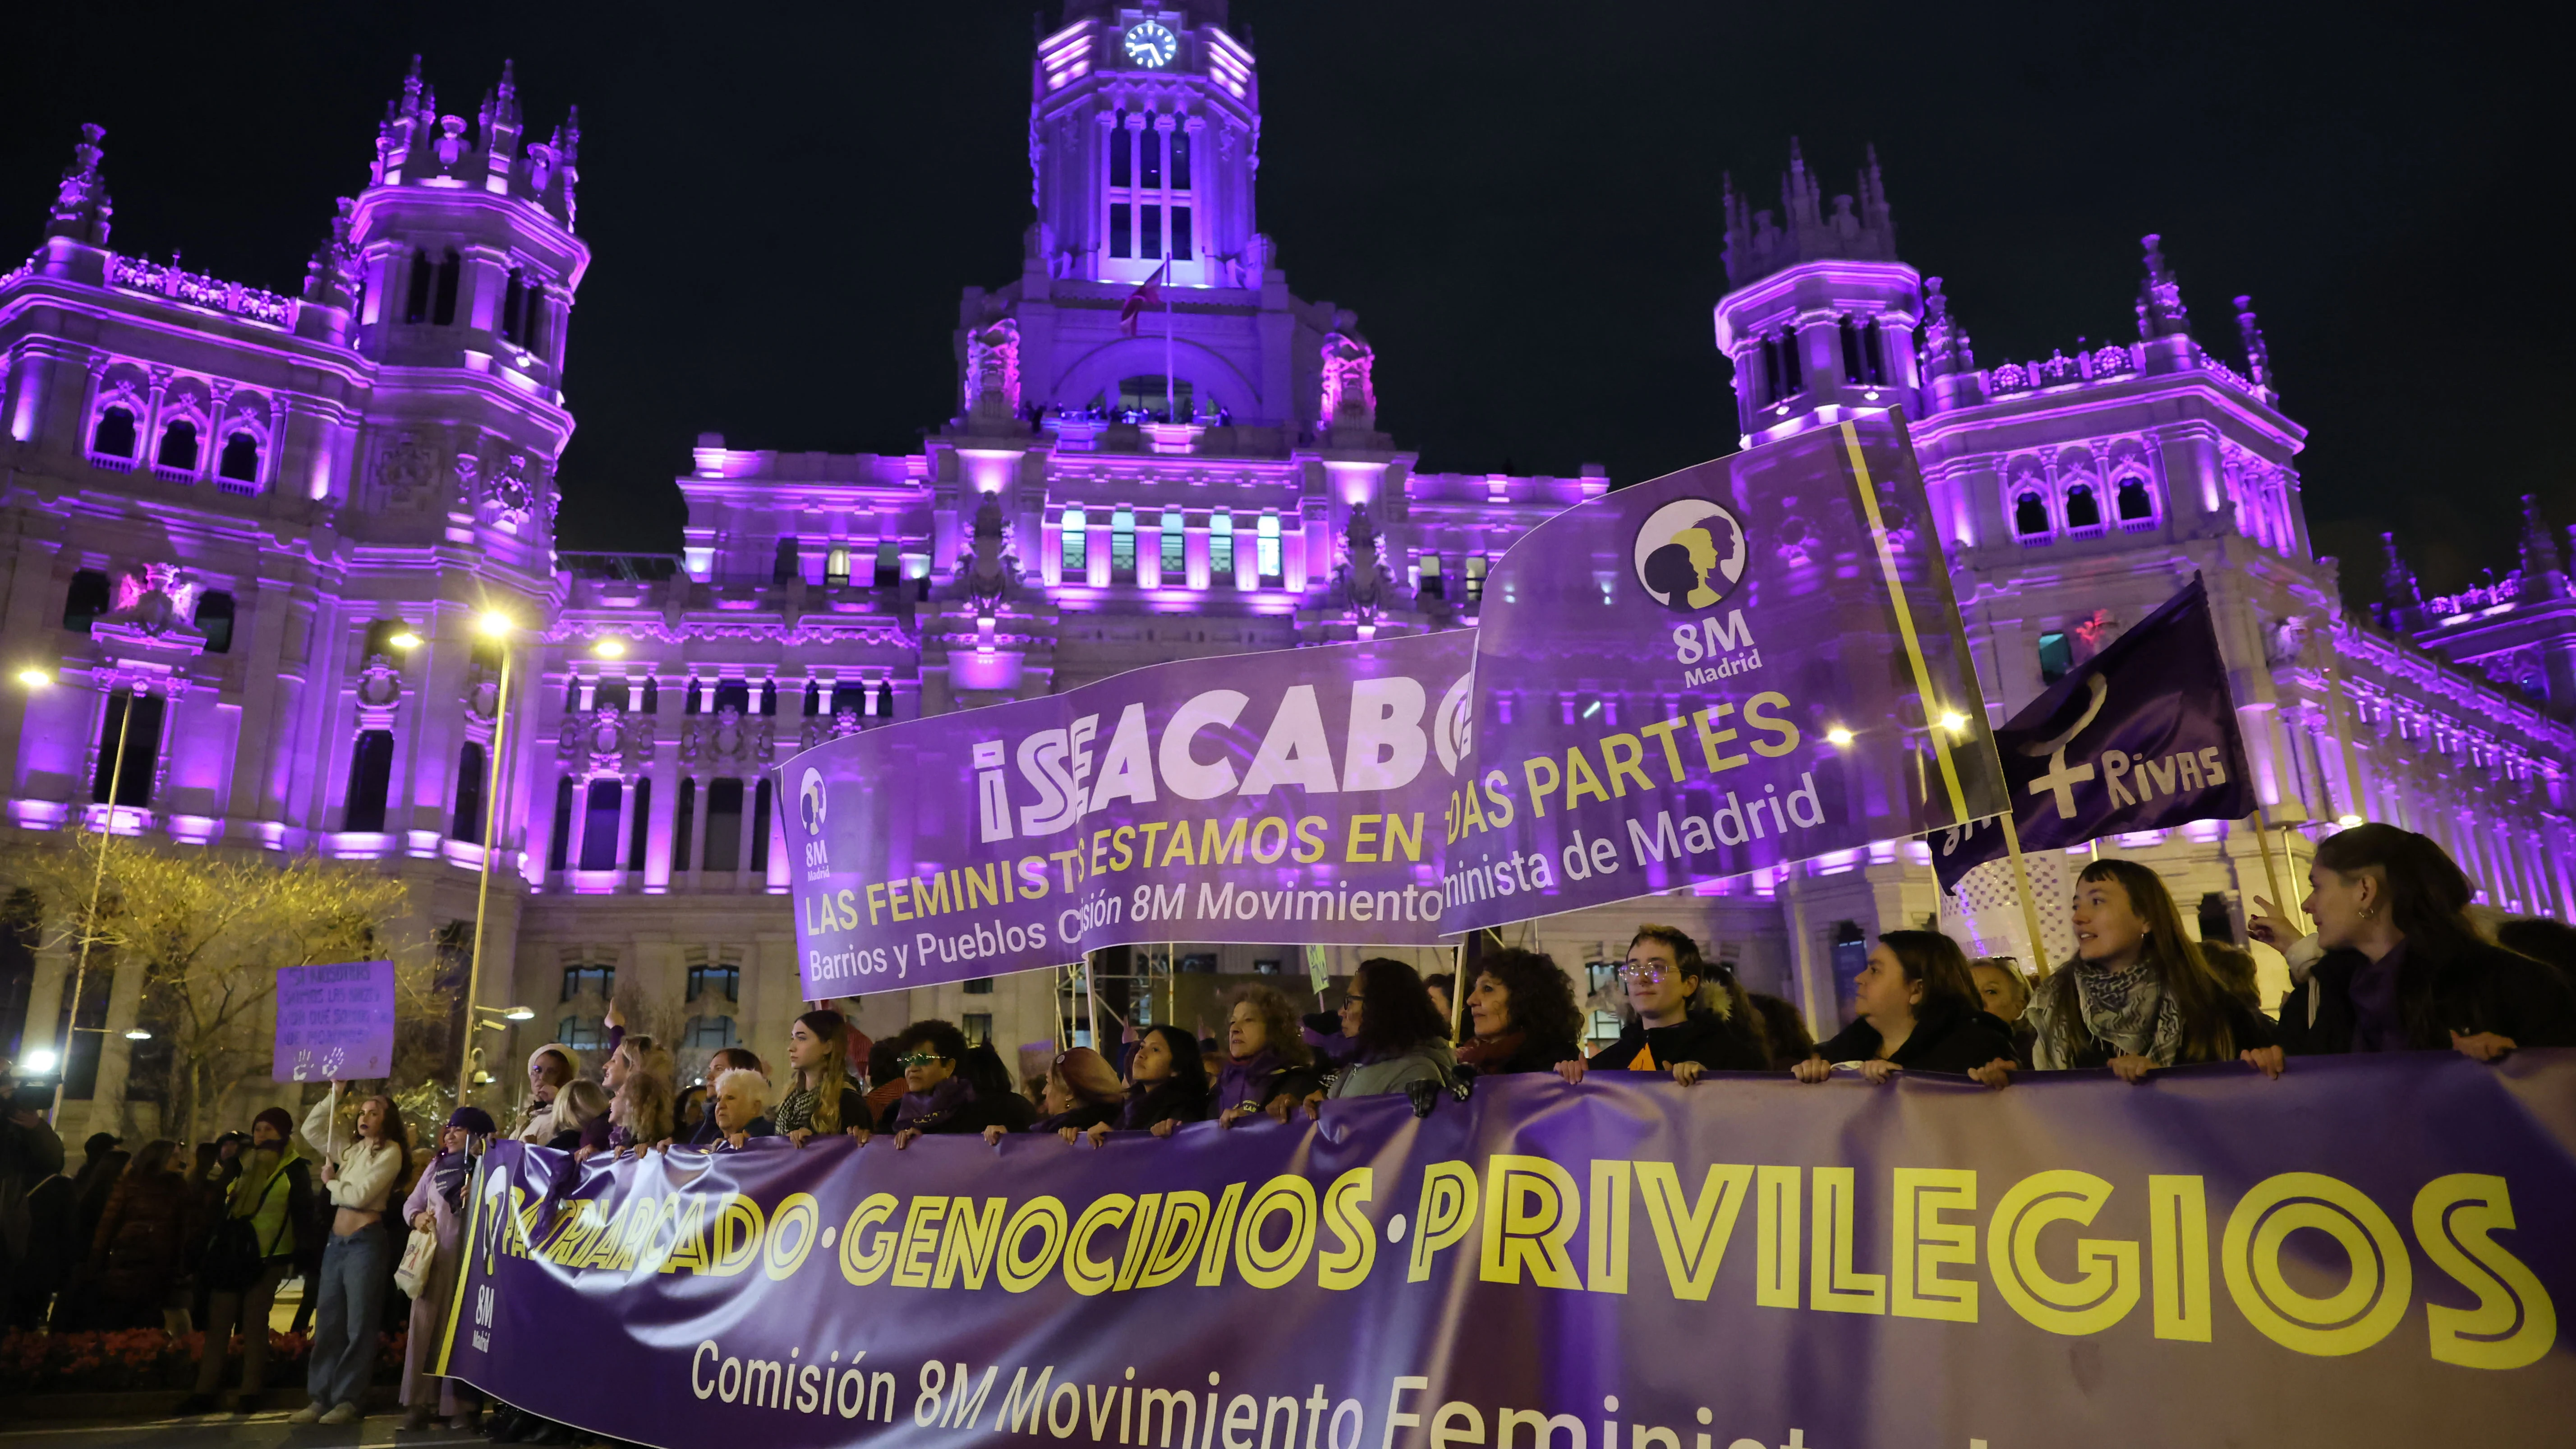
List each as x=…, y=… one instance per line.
x=1142, y=137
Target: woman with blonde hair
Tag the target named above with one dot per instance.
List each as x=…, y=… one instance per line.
x=1266, y=1060
x=821, y=1099
x=2137, y=994
x=579, y=1104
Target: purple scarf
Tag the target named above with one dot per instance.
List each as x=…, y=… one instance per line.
x=1245, y=1081
x=447, y=1178
x=926, y=1110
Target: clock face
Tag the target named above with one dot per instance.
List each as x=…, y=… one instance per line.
x=1152, y=46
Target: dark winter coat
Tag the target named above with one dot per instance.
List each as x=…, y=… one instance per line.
x=1946, y=1038
x=1090, y=1114
x=141, y=1244
x=1258, y=1079
x=1715, y=1042
x=2485, y=989
x=1166, y=1101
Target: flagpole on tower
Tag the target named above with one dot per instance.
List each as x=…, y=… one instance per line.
x=1171, y=387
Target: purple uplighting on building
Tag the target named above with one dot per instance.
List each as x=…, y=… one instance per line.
x=233, y=506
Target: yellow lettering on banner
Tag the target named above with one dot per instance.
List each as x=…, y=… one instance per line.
x=865, y=1265
x=2372, y=1300
x=1140, y=1241
x=1176, y=1239
x=1346, y=1213
x=1531, y=1211
x=1446, y=1214
x=1775, y=1229
x=1924, y=1245
x=2106, y=1287
x=1579, y=779
x=801, y=1213
x=2514, y=1324
x=1268, y=1267
x=737, y=1236
x=2178, y=1257
x=573, y=1229
x=1083, y=1273
x=1530, y=769
x=1220, y=1236
x=1835, y=1288
x=1606, y=1244
x=600, y=1249
x=920, y=1240
x=1020, y=1271
x=1363, y=841
x=688, y=1234
x=967, y=1244
x=1692, y=1236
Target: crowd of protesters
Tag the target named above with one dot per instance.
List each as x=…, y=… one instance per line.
x=2399, y=960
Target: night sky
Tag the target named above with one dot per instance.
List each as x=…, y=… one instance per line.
x=1521, y=202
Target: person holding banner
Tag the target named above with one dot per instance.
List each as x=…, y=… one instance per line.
x=437, y=1206
x=2137, y=996
x=1266, y=1059
x=821, y=1098
x=1688, y=1020
x=936, y=1097
x=1522, y=1015
x=1919, y=1011
x=1398, y=1042
x=360, y=1179
x=1082, y=1090
x=742, y=1108
x=2006, y=994
x=2397, y=965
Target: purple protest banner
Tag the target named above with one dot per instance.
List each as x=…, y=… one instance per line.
x=1256, y=798
x=334, y=1023
x=1750, y=662
x=2367, y=1251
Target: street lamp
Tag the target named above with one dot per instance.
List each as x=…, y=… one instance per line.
x=37, y=679
x=496, y=626
x=609, y=648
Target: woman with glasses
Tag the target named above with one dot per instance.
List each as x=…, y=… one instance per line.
x=937, y=1097
x=1689, y=1019
x=1919, y=1011
x=1397, y=1040
x=1521, y=1015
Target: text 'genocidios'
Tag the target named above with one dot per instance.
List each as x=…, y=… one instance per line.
x=2068, y=1251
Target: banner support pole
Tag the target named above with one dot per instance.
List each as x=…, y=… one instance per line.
x=2263, y=840
x=2029, y=905
x=1457, y=987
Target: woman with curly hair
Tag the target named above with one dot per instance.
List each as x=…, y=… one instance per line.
x=1522, y=1014
x=1267, y=1064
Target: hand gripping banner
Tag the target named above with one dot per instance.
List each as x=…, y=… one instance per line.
x=2370, y=1250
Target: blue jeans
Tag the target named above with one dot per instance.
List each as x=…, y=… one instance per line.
x=352, y=1286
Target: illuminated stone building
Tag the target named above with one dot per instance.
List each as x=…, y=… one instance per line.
x=226, y=510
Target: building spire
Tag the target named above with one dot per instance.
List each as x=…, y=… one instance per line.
x=1946, y=350
x=2540, y=557
x=2397, y=585
x=2258, y=356
x=1757, y=246
x=2160, y=309
x=82, y=208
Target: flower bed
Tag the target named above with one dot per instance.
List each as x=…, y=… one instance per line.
x=129, y=1359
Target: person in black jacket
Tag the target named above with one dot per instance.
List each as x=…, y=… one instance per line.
x=1521, y=1015
x=1082, y=1090
x=2404, y=969
x=1919, y=1011
x=1166, y=1086
x=1690, y=1018
x=2137, y=996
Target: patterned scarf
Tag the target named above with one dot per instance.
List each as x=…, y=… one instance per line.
x=926, y=1110
x=2128, y=1010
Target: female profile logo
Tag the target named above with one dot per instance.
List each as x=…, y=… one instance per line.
x=1690, y=554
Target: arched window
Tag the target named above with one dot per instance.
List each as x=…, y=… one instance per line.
x=2083, y=510
x=114, y=435
x=417, y=288
x=371, y=778
x=559, y=843
x=87, y=598
x=240, y=459
x=450, y=272
x=724, y=825
x=215, y=620
x=1158, y=397
x=2030, y=516
x=2137, y=507
x=514, y=299
x=1873, y=354
x=760, y=812
x=178, y=450
x=1076, y=538
x=1853, y=368
x=142, y=750
x=471, y=766
x=684, y=821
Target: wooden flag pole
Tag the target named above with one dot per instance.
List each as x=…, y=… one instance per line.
x=2263, y=838
x=2029, y=903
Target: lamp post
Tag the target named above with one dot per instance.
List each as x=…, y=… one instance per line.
x=37, y=679
x=495, y=626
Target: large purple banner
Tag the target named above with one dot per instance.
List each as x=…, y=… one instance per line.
x=2367, y=1251
x=1257, y=798
x=1749, y=662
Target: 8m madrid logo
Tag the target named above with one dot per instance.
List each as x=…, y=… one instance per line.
x=810, y=809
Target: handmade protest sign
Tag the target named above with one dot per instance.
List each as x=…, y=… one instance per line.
x=1253, y=798
x=334, y=1023
x=1750, y=662
x=2370, y=1250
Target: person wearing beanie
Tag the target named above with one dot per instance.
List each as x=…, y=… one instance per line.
x=551, y=1068
x=437, y=1205
x=273, y=1194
